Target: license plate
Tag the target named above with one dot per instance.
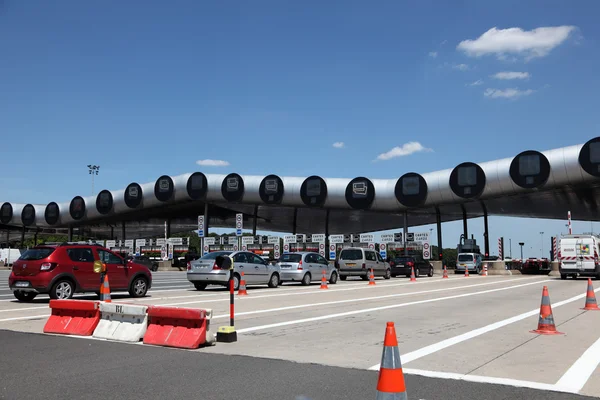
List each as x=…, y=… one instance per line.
x=350, y=265
x=286, y=266
x=400, y=265
x=22, y=284
x=463, y=265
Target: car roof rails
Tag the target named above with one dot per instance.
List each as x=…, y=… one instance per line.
x=81, y=243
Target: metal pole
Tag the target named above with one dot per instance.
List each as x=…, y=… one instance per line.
x=327, y=224
x=438, y=221
x=486, y=239
x=295, y=222
x=70, y=234
x=405, y=232
x=254, y=222
x=231, y=299
x=510, y=244
x=23, y=237
x=168, y=228
x=123, y=231
x=206, y=220
x=35, y=238
x=465, y=228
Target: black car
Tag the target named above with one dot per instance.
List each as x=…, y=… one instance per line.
x=402, y=265
x=145, y=261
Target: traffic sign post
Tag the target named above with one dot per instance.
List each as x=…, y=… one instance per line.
x=383, y=250
x=371, y=246
x=286, y=248
x=201, y=226
x=322, y=249
x=332, y=251
x=239, y=224
x=276, y=254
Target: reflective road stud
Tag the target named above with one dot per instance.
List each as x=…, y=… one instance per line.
x=372, y=278
x=546, y=324
x=590, y=298
x=390, y=385
x=105, y=290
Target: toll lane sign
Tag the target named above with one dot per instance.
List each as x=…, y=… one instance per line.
x=200, y=225
x=239, y=224
x=332, y=251
x=383, y=250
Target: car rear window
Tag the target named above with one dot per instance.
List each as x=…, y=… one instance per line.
x=36, y=254
x=353, y=254
x=465, y=257
x=213, y=256
x=293, y=258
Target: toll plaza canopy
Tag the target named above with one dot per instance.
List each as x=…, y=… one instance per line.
x=534, y=184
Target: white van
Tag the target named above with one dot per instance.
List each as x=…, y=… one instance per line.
x=9, y=256
x=578, y=256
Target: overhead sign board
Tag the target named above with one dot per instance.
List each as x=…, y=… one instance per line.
x=289, y=239
x=140, y=242
x=318, y=238
x=209, y=241
x=387, y=238
x=200, y=225
x=273, y=240
x=232, y=240
x=161, y=241
x=176, y=241
x=367, y=238
x=239, y=224
x=111, y=243
x=129, y=243
x=335, y=239
x=421, y=237
x=246, y=240
x=410, y=237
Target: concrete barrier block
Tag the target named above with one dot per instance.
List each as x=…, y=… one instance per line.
x=122, y=322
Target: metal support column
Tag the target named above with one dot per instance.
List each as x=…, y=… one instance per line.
x=123, y=233
x=23, y=238
x=295, y=222
x=169, y=228
x=70, y=235
x=206, y=219
x=35, y=238
x=486, y=239
x=112, y=233
x=438, y=221
x=465, y=228
x=327, y=225
x=254, y=221
x=405, y=233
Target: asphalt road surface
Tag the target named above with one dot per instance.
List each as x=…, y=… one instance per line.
x=459, y=338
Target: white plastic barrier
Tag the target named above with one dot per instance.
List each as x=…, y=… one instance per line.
x=211, y=336
x=122, y=322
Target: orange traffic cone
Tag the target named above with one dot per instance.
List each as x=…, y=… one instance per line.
x=390, y=384
x=371, y=278
x=466, y=272
x=484, y=273
x=445, y=276
x=546, y=321
x=242, y=289
x=412, y=274
x=590, y=299
x=105, y=290
x=324, y=281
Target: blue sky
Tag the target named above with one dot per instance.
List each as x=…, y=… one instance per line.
x=149, y=88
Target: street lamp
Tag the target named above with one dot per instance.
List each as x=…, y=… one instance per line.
x=521, y=244
x=542, y=235
x=93, y=170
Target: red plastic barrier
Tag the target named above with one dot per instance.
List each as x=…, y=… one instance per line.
x=176, y=327
x=73, y=317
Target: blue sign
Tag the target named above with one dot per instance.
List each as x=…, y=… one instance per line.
x=332, y=255
x=383, y=254
x=201, y=233
x=238, y=232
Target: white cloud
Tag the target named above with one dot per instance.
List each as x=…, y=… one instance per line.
x=433, y=54
x=213, y=163
x=478, y=82
x=461, y=67
x=511, y=93
x=338, y=145
x=443, y=42
x=404, y=150
x=507, y=75
x=537, y=42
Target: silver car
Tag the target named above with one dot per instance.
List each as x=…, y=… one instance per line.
x=356, y=261
x=306, y=267
x=257, y=271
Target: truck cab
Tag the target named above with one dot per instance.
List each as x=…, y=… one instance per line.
x=578, y=256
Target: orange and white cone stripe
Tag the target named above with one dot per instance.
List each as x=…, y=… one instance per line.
x=324, y=280
x=105, y=290
x=590, y=299
x=391, y=385
x=546, y=325
x=485, y=270
x=445, y=276
x=412, y=274
x=466, y=272
x=372, y=278
x=242, y=289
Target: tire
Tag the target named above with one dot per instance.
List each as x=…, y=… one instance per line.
x=388, y=274
x=138, y=287
x=274, y=281
x=365, y=277
x=25, y=297
x=200, y=285
x=563, y=277
x=417, y=272
x=343, y=277
x=306, y=279
x=154, y=267
x=430, y=274
x=236, y=282
x=333, y=278
x=393, y=276
x=63, y=290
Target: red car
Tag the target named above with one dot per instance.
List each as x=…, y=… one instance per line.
x=62, y=270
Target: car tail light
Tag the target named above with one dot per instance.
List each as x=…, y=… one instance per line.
x=410, y=264
x=189, y=266
x=47, y=266
x=300, y=265
x=392, y=264
x=215, y=266
x=364, y=266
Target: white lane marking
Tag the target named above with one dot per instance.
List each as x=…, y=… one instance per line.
x=21, y=318
x=577, y=376
x=352, y=300
x=250, y=297
x=23, y=309
x=366, y=310
x=433, y=348
x=484, y=379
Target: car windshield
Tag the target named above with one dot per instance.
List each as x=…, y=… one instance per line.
x=213, y=256
x=36, y=254
x=465, y=257
x=351, y=254
x=293, y=258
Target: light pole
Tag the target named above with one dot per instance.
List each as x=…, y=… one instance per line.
x=93, y=170
x=510, y=246
x=521, y=244
x=542, y=235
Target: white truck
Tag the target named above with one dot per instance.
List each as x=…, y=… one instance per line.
x=9, y=256
x=578, y=256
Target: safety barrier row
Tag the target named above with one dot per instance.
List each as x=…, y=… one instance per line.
x=160, y=326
